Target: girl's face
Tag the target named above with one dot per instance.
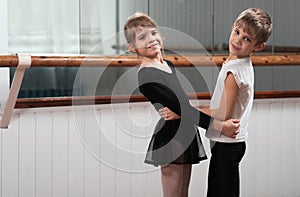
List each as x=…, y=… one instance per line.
x=241, y=44
x=148, y=42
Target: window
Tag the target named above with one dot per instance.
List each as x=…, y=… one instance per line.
x=95, y=27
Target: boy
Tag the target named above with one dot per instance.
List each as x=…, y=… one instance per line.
x=233, y=98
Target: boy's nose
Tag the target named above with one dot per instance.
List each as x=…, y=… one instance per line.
x=239, y=39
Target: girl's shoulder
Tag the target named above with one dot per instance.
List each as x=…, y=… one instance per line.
x=149, y=74
x=169, y=63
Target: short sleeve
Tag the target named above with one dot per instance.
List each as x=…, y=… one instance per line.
x=237, y=77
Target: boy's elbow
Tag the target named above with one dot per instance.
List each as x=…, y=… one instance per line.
x=228, y=116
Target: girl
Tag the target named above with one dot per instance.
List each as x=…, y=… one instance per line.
x=175, y=144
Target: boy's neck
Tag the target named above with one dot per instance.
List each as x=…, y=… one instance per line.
x=234, y=57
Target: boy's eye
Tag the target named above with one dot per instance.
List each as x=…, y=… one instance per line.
x=154, y=33
x=247, y=39
x=236, y=31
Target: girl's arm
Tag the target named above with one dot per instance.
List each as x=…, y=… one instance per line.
x=160, y=95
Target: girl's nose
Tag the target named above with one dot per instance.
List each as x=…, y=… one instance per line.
x=151, y=37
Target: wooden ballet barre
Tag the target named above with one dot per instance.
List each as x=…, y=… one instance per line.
x=120, y=61
x=91, y=100
x=130, y=60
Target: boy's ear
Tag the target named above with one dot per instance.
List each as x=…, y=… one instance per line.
x=131, y=48
x=232, y=27
x=260, y=47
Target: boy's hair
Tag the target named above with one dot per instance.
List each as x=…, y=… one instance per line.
x=134, y=21
x=255, y=22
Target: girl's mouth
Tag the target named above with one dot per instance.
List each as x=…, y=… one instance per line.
x=154, y=44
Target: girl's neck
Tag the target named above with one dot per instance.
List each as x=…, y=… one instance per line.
x=156, y=63
x=157, y=60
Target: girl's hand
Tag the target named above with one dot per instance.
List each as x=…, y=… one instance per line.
x=204, y=106
x=167, y=114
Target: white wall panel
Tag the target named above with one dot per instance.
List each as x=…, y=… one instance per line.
x=123, y=152
x=139, y=147
x=76, y=155
x=107, y=154
x=43, y=154
x=10, y=159
x=99, y=151
x=269, y=166
x=92, y=146
x=60, y=153
x=27, y=155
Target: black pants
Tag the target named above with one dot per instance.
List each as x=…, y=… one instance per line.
x=223, y=175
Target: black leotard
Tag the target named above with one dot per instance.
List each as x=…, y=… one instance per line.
x=175, y=141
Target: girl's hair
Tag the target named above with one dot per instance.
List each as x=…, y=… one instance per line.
x=134, y=21
x=255, y=22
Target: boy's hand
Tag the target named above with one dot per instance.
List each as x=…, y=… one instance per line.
x=167, y=114
x=231, y=128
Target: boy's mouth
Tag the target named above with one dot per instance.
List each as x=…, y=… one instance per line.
x=235, y=47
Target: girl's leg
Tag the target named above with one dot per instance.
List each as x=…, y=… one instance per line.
x=187, y=169
x=172, y=178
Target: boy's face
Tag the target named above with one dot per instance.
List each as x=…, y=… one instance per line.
x=241, y=44
x=148, y=42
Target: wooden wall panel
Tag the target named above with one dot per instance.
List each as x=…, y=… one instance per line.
x=99, y=151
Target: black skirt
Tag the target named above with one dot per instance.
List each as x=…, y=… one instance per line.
x=170, y=146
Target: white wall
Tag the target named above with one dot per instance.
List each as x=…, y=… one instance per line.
x=4, y=72
x=99, y=151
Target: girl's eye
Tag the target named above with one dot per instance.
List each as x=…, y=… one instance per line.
x=236, y=31
x=154, y=33
x=141, y=37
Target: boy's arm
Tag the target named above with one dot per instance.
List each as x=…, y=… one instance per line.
x=228, y=100
x=229, y=127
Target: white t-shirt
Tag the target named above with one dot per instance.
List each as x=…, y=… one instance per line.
x=243, y=73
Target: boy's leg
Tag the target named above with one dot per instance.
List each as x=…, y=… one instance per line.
x=217, y=168
x=223, y=177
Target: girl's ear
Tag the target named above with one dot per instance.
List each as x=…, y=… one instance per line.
x=131, y=48
x=260, y=47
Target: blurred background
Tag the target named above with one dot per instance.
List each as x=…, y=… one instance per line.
x=94, y=27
